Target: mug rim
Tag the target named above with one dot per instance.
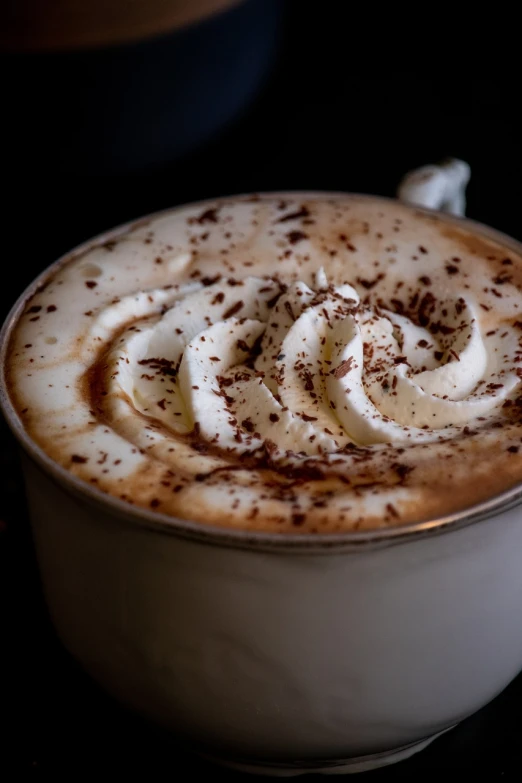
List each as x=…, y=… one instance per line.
x=225, y=536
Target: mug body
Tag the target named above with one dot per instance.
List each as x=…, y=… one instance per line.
x=283, y=660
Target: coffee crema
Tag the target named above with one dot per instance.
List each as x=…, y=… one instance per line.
x=284, y=364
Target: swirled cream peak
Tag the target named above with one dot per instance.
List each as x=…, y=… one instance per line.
x=307, y=364
x=328, y=371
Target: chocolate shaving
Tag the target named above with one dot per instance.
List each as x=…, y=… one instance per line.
x=426, y=307
x=301, y=213
x=296, y=236
x=369, y=284
x=163, y=366
x=343, y=369
x=248, y=425
x=402, y=470
x=206, y=281
x=308, y=379
x=235, y=308
x=208, y=216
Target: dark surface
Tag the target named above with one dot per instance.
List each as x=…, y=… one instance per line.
x=314, y=125
x=128, y=108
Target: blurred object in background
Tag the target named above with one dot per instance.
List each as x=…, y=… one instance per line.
x=441, y=186
x=30, y=25
x=119, y=86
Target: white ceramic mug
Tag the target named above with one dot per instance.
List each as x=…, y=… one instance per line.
x=277, y=653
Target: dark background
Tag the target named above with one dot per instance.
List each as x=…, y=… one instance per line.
x=268, y=97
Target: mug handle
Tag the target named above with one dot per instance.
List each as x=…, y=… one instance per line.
x=441, y=186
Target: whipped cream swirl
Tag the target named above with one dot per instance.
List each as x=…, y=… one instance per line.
x=251, y=364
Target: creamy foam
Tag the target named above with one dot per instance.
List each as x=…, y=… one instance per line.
x=316, y=364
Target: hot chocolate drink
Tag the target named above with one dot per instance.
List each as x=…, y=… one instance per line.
x=283, y=364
